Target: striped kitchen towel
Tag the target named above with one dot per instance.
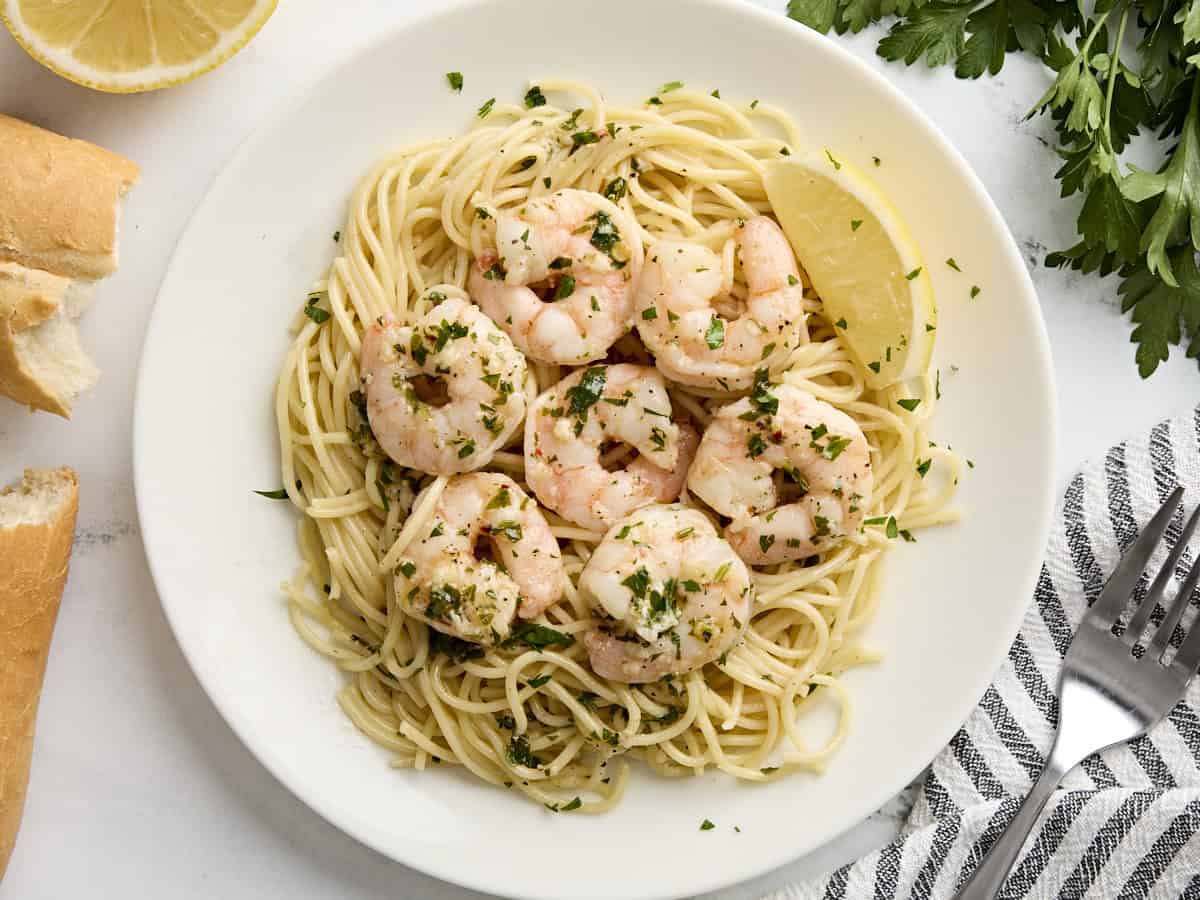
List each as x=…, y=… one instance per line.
x=1123, y=825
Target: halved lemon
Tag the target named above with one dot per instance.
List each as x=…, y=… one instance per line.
x=862, y=261
x=123, y=46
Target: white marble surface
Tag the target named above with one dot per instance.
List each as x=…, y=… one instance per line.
x=138, y=787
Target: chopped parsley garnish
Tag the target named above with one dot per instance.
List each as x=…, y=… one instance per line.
x=495, y=272
x=615, y=190
x=446, y=332
x=840, y=323
x=909, y=403
x=761, y=398
x=519, y=754
x=605, y=236
x=706, y=825
x=650, y=314
x=721, y=572
x=502, y=499
x=565, y=288
x=583, y=138
x=767, y=350
x=765, y=541
x=526, y=163
x=715, y=335
x=534, y=97
x=314, y=312
x=561, y=262
x=573, y=805
x=510, y=530
x=891, y=529
x=536, y=683
x=569, y=124
x=455, y=80
x=280, y=494
x=611, y=738
x=670, y=86
x=337, y=236
x=684, y=532
x=874, y=366
x=586, y=394
x=756, y=445
x=443, y=599
x=855, y=224
x=408, y=569
x=974, y=291
x=832, y=159
x=638, y=583
x=486, y=108
x=953, y=264
x=913, y=274
x=822, y=525
x=923, y=466
x=483, y=213
x=539, y=637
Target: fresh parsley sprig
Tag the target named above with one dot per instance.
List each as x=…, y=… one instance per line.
x=1128, y=67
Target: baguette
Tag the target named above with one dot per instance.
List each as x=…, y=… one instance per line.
x=59, y=208
x=59, y=201
x=41, y=361
x=37, y=523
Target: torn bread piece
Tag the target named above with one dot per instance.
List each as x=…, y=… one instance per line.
x=37, y=525
x=59, y=212
x=42, y=363
x=59, y=201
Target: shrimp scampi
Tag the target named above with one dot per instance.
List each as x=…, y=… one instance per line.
x=443, y=580
x=680, y=311
x=561, y=279
x=791, y=471
x=673, y=595
x=570, y=425
x=443, y=395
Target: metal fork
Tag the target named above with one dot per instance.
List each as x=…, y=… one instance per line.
x=1108, y=695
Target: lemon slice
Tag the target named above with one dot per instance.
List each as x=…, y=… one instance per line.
x=122, y=46
x=861, y=260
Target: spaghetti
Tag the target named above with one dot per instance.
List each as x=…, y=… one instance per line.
x=530, y=714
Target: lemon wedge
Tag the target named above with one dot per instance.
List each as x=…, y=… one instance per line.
x=861, y=260
x=123, y=46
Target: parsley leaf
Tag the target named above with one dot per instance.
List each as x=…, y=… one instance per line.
x=539, y=637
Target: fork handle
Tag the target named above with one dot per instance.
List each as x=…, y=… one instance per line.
x=985, y=882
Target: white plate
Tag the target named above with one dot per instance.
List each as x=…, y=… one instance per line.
x=204, y=438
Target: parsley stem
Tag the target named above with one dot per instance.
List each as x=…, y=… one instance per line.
x=1114, y=72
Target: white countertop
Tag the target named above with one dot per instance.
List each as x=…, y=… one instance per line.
x=138, y=787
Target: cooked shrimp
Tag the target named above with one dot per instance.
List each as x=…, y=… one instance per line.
x=672, y=593
x=569, y=426
x=443, y=581
x=445, y=394
x=583, y=254
x=677, y=308
x=823, y=481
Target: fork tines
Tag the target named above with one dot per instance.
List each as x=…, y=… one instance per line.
x=1117, y=593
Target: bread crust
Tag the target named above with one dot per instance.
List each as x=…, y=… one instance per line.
x=59, y=201
x=33, y=571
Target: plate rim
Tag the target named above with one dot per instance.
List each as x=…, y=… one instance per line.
x=887, y=787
